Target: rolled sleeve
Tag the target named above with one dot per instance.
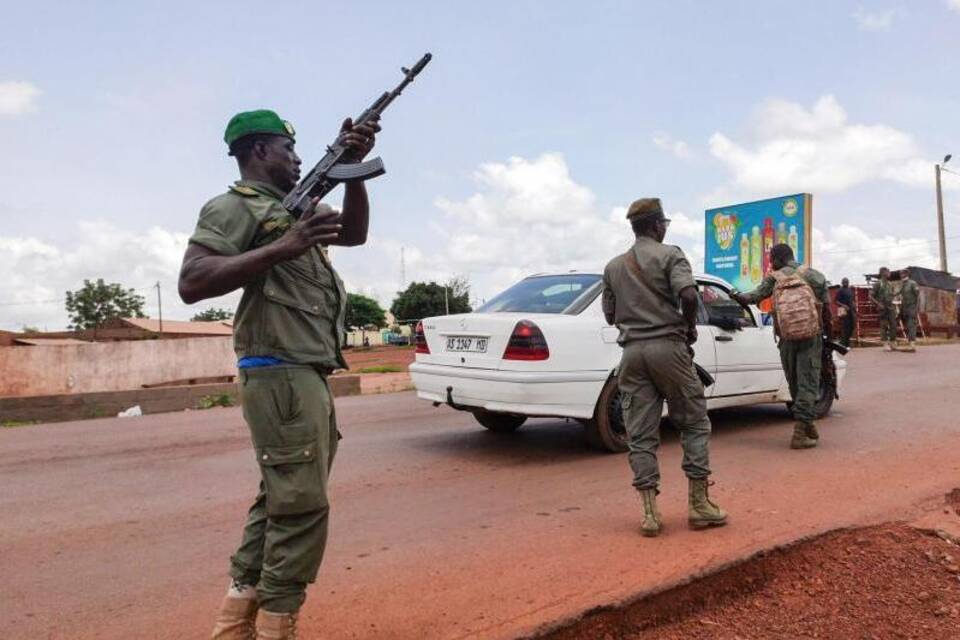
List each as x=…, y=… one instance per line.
x=765, y=290
x=679, y=272
x=225, y=231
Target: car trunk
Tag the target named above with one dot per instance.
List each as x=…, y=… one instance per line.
x=478, y=340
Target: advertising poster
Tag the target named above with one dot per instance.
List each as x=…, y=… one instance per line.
x=739, y=237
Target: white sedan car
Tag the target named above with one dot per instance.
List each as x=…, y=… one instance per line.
x=542, y=348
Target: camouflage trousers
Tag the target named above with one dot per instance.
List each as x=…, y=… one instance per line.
x=289, y=409
x=652, y=371
x=801, y=360
x=888, y=324
x=908, y=315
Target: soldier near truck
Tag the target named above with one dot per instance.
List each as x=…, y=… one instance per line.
x=882, y=296
x=909, y=301
x=650, y=294
x=802, y=318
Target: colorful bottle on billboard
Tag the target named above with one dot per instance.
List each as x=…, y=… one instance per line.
x=756, y=255
x=767, y=243
x=744, y=256
x=794, y=241
x=782, y=233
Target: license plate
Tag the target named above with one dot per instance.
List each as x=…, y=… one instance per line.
x=466, y=344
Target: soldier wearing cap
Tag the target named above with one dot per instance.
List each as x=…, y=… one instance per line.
x=882, y=296
x=288, y=330
x=650, y=294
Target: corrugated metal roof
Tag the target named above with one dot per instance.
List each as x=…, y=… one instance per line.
x=48, y=342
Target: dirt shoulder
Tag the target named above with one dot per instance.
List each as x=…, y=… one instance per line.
x=886, y=581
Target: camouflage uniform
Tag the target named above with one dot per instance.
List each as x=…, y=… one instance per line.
x=883, y=293
x=293, y=312
x=909, y=301
x=801, y=359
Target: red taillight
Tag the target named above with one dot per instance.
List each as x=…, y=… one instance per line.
x=420, y=340
x=526, y=343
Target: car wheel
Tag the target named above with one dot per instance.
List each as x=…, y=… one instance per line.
x=499, y=422
x=606, y=430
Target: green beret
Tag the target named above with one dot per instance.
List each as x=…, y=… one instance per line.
x=259, y=121
x=645, y=207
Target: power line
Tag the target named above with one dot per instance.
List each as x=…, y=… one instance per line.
x=32, y=302
x=880, y=248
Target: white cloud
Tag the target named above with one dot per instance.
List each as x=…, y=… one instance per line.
x=17, y=98
x=954, y=4
x=875, y=20
x=36, y=274
x=792, y=148
x=527, y=216
x=848, y=251
x=678, y=148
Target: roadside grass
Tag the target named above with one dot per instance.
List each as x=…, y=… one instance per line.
x=219, y=400
x=12, y=424
x=382, y=368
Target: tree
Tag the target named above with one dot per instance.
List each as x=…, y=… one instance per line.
x=97, y=302
x=212, y=314
x=424, y=299
x=363, y=312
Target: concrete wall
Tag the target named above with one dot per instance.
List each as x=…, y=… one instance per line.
x=111, y=366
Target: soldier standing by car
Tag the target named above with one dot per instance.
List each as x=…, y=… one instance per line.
x=909, y=300
x=847, y=310
x=287, y=334
x=800, y=357
x=882, y=296
x=649, y=293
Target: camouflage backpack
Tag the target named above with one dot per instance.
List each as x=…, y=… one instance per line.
x=795, y=306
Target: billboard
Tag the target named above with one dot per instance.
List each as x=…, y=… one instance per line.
x=739, y=237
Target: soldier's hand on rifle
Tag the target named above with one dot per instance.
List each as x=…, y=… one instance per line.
x=360, y=138
x=319, y=225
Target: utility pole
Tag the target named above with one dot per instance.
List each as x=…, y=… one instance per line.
x=940, y=230
x=160, y=308
x=403, y=271
x=446, y=299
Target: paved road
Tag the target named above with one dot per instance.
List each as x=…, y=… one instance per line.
x=122, y=528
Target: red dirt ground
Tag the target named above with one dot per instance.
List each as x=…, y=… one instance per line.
x=888, y=581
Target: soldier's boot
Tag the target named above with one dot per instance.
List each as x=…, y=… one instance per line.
x=236, y=620
x=276, y=626
x=888, y=346
x=704, y=512
x=652, y=525
x=801, y=439
x=911, y=347
x=810, y=430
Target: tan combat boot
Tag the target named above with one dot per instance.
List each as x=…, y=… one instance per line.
x=651, y=526
x=888, y=346
x=235, y=621
x=810, y=430
x=801, y=438
x=911, y=347
x=276, y=626
x=704, y=512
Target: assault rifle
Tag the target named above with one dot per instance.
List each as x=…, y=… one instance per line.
x=337, y=165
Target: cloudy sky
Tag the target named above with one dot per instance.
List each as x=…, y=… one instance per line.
x=516, y=151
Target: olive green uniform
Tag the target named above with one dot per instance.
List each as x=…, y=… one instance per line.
x=909, y=301
x=883, y=293
x=656, y=364
x=293, y=312
x=801, y=359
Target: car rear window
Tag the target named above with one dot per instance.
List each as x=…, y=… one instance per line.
x=542, y=294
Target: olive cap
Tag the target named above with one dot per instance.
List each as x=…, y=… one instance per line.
x=645, y=207
x=260, y=121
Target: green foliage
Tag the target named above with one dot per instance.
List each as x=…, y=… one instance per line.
x=27, y=328
x=425, y=299
x=97, y=302
x=363, y=312
x=212, y=314
x=9, y=424
x=382, y=368
x=219, y=400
